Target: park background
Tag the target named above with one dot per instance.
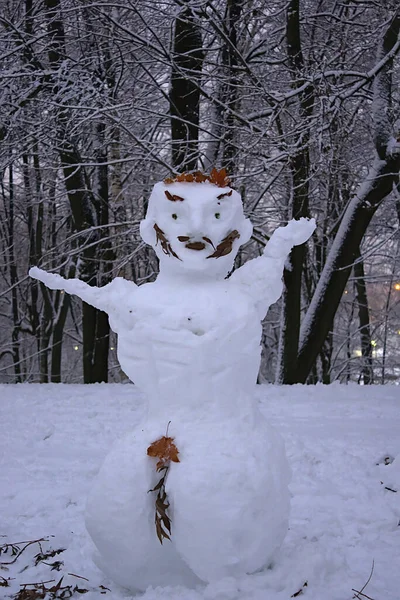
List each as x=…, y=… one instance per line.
x=297, y=100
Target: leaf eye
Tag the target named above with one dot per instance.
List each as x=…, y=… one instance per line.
x=217, y=215
x=174, y=216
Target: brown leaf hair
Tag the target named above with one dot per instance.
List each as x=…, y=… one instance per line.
x=218, y=178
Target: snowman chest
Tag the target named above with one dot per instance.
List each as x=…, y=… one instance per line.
x=197, y=334
x=197, y=310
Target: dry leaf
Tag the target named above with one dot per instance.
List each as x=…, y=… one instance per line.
x=225, y=247
x=165, y=245
x=162, y=520
x=219, y=178
x=56, y=587
x=300, y=591
x=224, y=195
x=173, y=197
x=206, y=239
x=42, y=556
x=165, y=450
x=25, y=594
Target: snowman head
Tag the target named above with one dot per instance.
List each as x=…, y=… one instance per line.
x=195, y=227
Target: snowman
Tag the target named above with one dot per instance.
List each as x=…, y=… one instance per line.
x=204, y=473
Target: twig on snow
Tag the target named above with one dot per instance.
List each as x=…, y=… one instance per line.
x=20, y=551
x=359, y=594
x=78, y=576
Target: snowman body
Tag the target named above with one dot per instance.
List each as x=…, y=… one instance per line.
x=191, y=342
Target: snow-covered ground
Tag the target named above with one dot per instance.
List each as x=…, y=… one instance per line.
x=344, y=527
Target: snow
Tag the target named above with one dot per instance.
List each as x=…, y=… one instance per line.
x=343, y=447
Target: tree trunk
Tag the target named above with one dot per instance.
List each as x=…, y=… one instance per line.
x=367, y=373
x=185, y=91
x=57, y=339
x=230, y=94
x=15, y=341
x=83, y=204
x=299, y=166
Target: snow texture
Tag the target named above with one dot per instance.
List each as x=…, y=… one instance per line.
x=342, y=444
x=191, y=342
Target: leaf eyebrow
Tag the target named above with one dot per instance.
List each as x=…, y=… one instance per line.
x=173, y=197
x=223, y=195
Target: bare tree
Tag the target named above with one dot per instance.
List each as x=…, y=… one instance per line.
x=100, y=101
x=376, y=187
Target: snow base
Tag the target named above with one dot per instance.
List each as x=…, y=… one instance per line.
x=53, y=439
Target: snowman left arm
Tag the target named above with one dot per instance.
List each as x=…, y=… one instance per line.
x=261, y=277
x=115, y=298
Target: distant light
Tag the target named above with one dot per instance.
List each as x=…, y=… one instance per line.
x=76, y=347
x=373, y=343
x=346, y=292
x=397, y=286
x=112, y=347
x=357, y=352
x=398, y=331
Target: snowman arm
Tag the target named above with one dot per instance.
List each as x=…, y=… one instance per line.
x=261, y=277
x=104, y=298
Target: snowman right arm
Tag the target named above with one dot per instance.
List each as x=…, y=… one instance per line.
x=106, y=298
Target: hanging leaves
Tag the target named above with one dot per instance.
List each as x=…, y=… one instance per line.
x=166, y=451
x=162, y=520
x=219, y=178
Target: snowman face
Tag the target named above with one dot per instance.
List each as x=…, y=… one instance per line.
x=195, y=226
